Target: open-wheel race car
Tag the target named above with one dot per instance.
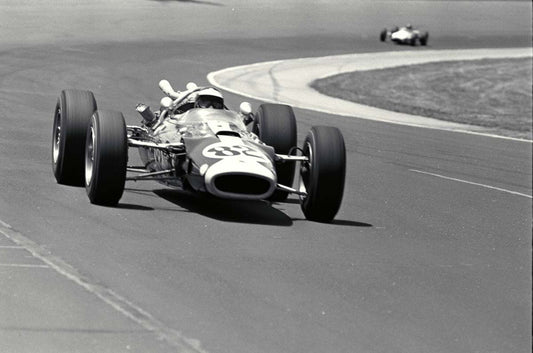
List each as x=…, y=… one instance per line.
x=405, y=35
x=194, y=142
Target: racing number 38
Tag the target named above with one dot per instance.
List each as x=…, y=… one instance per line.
x=223, y=151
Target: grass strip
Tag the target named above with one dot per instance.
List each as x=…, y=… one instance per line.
x=494, y=93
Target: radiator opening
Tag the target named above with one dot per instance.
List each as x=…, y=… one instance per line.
x=242, y=184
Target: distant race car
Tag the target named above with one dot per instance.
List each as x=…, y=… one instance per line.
x=194, y=142
x=405, y=35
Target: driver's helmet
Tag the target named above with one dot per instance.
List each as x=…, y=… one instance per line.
x=209, y=98
x=409, y=26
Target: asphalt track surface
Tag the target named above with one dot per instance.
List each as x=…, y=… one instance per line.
x=430, y=251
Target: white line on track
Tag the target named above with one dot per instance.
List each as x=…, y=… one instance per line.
x=11, y=247
x=472, y=183
x=24, y=265
x=122, y=305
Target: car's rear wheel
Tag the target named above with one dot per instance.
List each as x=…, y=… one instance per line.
x=71, y=117
x=322, y=177
x=106, y=157
x=275, y=124
x=383, y=35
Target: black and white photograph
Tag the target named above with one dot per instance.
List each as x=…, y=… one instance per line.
x=275, y=176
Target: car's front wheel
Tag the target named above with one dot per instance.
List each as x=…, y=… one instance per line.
x=322, y=176
x=275, y=124
x=106, y=157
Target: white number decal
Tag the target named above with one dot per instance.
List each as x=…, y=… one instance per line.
x=219, y=150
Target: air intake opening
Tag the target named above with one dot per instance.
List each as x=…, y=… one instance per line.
x=228, y=133
x=242, y=184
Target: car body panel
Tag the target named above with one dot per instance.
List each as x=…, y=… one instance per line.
x=217, y=150
x=405, y=35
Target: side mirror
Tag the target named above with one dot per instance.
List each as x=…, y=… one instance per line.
x=166, y=102
x=245, y=108
x=190, y=86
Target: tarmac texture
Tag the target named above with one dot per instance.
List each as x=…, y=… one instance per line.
x=430, y=251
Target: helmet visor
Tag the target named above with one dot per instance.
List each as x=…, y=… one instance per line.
x=209, y=102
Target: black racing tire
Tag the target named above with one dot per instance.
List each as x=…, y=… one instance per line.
x=72, y=113
x=106, y=157
x=424, y=39
x=412, y=42
x=275, y=124
x=323, y=176
x=383, y=35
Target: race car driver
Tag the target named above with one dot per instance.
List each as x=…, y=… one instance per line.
x=209, y=98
